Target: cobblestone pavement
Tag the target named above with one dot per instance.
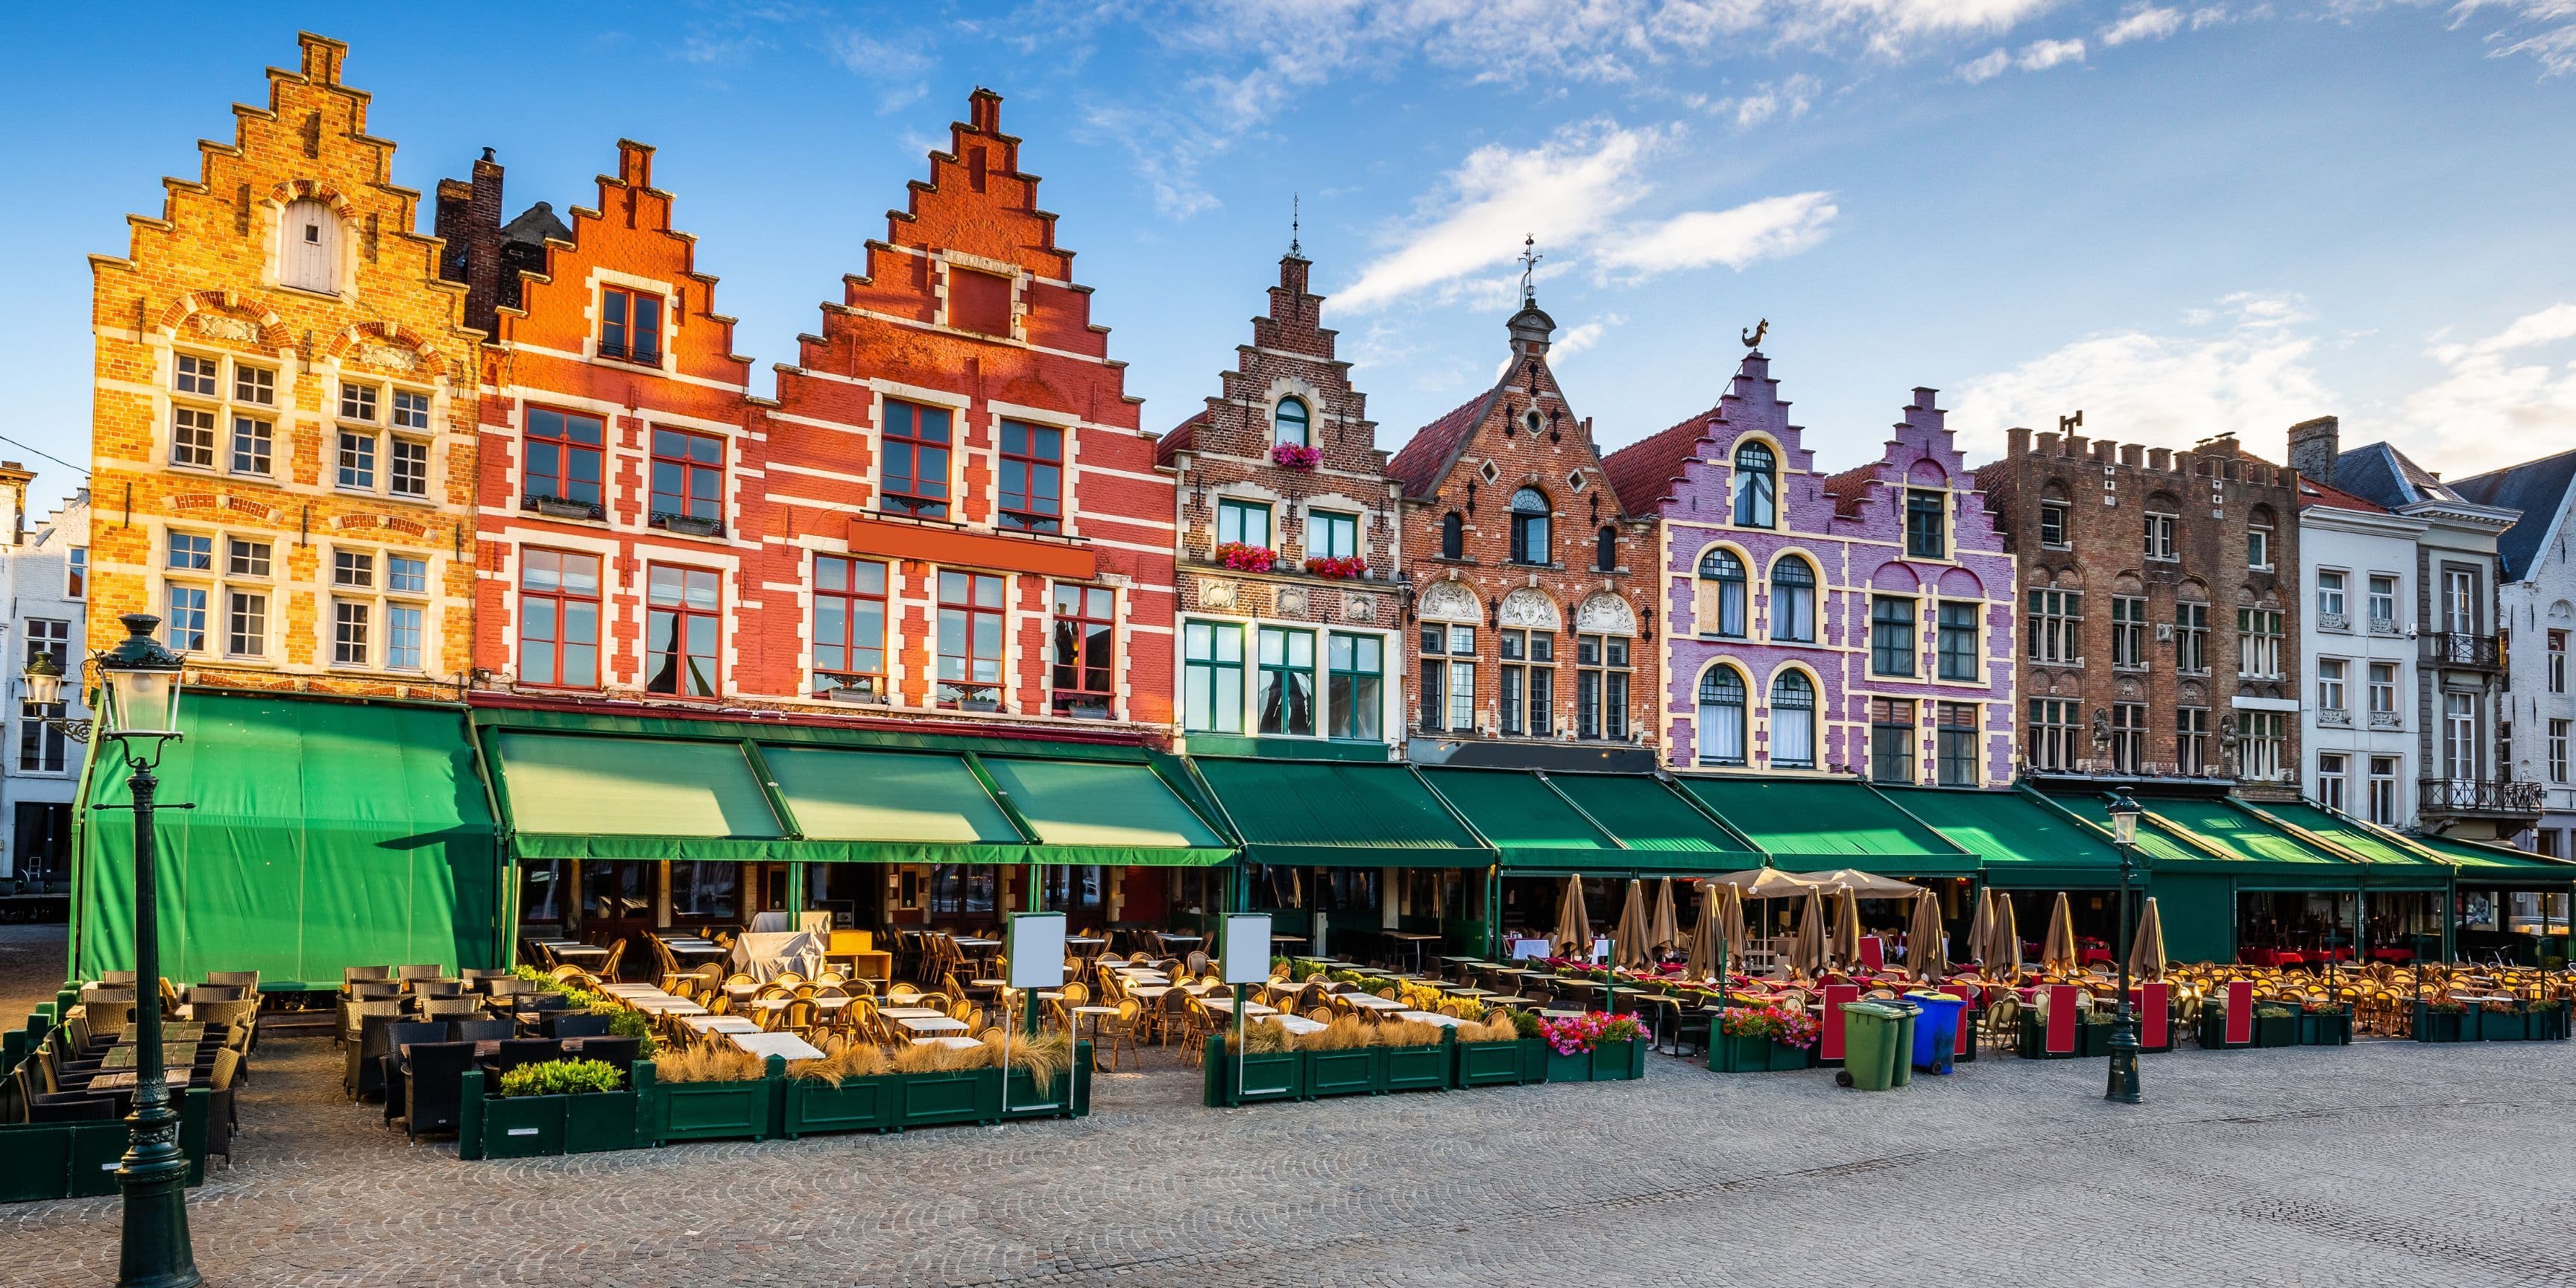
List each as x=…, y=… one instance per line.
x=2380, y=1163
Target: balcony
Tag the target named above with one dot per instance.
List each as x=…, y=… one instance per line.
x=2334, y=718
x=2483, y=798
x=2452, y=648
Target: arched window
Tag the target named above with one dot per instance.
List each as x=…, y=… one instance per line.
x=1605, y=549
x=1721, y=717
x=1757, y=487
x=1289, y=423
x=1453, y=536
x=1793, y=722
x=1793, y=600
x=1721, y=594
x=308, y=252
x=1529, y=527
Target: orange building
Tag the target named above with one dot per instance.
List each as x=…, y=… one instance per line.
x=283, y=414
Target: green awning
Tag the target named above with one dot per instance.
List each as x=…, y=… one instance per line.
x=2162, y=851
x=572, y=796
x=2253, y=848
x=1104, y=812
x=326, y=834
x=912, y=807
x=2494, y=865
x=1526, y=820
x=1806, y=824
x=2023, y=843
x=1663, y=831
x=2392, y=860
x=1301, y=813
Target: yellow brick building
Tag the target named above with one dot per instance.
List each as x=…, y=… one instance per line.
x=283, y=418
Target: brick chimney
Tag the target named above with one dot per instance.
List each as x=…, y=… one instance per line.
x=468, y=219
x=2314, y=447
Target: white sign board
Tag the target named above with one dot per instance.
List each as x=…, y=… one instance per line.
x=1245, y=948
x=1034, y=943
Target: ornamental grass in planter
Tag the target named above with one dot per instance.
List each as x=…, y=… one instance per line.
x=710, y=1093
x=1347, y=1057
x=861, y=1088
x=1496, y=1054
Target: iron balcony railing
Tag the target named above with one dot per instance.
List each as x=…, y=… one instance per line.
x=2453, y=648
x=2502, y=796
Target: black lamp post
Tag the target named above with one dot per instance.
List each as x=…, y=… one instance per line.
x=2124, y=1030
x=138, y=707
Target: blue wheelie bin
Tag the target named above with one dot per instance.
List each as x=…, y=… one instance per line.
x=1936, y=1034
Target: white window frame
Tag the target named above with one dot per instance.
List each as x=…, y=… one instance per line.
x=379, y=598
x=2161, y=533
x=382, y=435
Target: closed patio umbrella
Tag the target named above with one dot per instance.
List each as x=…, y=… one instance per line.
x=2057, y=951
x=1844, y=948
x=2004, y=942
x=1664, y=929
x=1923, y=948
x=1731, y=939
x=1981, y=930
x=1807, y=946
x=1701, y=962
x=1573, y=925
x=1628, y=939
x=2147, y=951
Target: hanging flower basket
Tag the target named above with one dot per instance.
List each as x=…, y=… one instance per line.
x=1246, y=558
x=1349, y=566
x=1295, y=457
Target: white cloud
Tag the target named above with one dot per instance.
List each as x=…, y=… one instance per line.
x=1788, y=99
x=2544, y=30
x=2149, y=23
x=1771, y=228
x=896, y=71
x=1977, y=71
x=2043, y=54
x=2247, y=367
x=1576, y=339
x=2506, y=397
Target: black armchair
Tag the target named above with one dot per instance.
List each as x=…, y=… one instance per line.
x=434, y=1089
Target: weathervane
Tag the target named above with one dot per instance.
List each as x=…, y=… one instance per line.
x=1292, y=225
x=1529, y=264
x=1753, y=338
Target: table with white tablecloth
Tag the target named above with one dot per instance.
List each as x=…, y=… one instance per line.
x=763, y=954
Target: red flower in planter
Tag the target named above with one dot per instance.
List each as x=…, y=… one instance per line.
x=1246, y=558
x=1296, y=457
x=1346, y=566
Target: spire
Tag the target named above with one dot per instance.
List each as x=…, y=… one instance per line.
x=1292, y=227
x=1530, y=257
x=1531, y=327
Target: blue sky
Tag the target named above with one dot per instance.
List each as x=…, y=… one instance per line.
x=2181, y=219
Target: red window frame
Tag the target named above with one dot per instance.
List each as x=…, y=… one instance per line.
x=842, y=593
x=688, y=474
x=561, y=605
x=971, y=637
x=916, y=441
x=683, y=630
x=1085, y=651
x=1032, y=477
x=565, y=444
x=630, y=325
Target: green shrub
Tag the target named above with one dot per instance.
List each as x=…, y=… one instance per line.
x=562, y=1078
x=627, y=1022
x=1525, y=1022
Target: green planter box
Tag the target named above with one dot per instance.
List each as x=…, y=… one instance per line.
x=1754, y=1055
x=2550, y=1024
x=598, y=1121
x=2325, y=1028
x=491, y=1126
x=1265, y=1075
x=2093, y=1038
x=855, y=1104
x=1493, y=1064
x=2439, y=1026
x=79, y=1160
x=965, y=1096
x=1608, y=1062
x=1419, y=1068
x=1069, y=1096
x=711, y=1110
x=893, y=1101
x=2503, y=1026
x=2276, y=1030
x=1358, y=1071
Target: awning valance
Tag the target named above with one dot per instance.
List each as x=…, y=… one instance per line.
x=1339, y=814
x=1532, y=826
x=2020, y=843
x=1815, y=823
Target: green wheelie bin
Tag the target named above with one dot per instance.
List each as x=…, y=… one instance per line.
x=1876, y=1054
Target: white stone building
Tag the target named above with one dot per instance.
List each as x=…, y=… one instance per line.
x=2357, y=563
x=2536, y=601
x=45, y=574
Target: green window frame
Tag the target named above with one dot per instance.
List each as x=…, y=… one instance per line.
x=1245, y=522
x=1891, y=635
x=1355, y=687
x=1959, y=639
x=1211, y=677
x=1285, y=696
x=1332, y=535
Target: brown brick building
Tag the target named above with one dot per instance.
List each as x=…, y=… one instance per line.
x=1289, y=610
x=1532, y=585
x=283, y=419
x=2160, y=608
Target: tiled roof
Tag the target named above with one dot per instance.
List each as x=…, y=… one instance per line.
x=1643, y=471
x=2538, y=489
x=1179, y=439
x=1848, y=487
x=1427, y=455
x=2311, y=492
x=2383, y=474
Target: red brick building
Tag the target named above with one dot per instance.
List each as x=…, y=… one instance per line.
x=1532, y=584
x=1289, y=552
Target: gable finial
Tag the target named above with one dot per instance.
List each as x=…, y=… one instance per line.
x=1530, y=257
x=1292, y=226
x=1753, y=339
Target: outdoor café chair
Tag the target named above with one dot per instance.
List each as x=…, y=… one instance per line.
x=433, y=1089
x=397, y=1036
x=348, y=975
x=481, y=1030
x=245, y=980
x=518, y=1051
x=226, y=1012
x=363, y=1071
x=427, y=970
x=617, y=1052
x=576, y=1024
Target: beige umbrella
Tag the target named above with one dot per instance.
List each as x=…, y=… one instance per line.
x=1628, y=945
x=1766, y=883
x=1702, y=961
x=1664, y=929
x=1573, y=925
x=2057, y=951
x=1866, y=885
x=1807, y=947
x=2005, y=942
x=1731, y=939
x=1981, y=929
x=1844, y=946
x=1925, y=954
x=2147, y=951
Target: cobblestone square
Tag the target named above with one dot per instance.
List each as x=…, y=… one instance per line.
x=2378, y=1163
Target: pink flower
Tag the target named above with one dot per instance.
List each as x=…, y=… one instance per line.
x=1295, y=457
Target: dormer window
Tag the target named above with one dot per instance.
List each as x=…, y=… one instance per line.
x=309, y=252
x=1757, y=487
x=630, y=325
x=1290, y=424
x=1530, y=544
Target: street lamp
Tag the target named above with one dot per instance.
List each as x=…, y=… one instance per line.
x=2124, y=1030
x=138, y=708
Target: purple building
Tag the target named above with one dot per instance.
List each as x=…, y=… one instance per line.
x=1858, y=623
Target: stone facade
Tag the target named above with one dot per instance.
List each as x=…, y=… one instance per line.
x=283, y=426
x=2161, y=608
x=2536, y=608
x=1540, y=605
x=45, y=574
x=1238, y=466
x=2357, y=562
x=1773, y=578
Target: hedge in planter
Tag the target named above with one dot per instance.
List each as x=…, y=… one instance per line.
x=555, y=1107
x=79, y=1159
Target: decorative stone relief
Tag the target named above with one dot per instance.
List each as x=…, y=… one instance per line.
x=1217, y=594
x=1605, y=614
x=1528, y=608
x=1292, y=601
x=1447, y=601
x=217, y=326
x=386, y=355
x=1358, y=607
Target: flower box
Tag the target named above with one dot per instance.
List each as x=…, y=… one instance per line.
x=852, y=1104
x=555, y=507
x=2093, y=1037
x=1750, y=1054
x=962, y=1096
x=1419, y=1068
x=2503, y=1026
x=1497, y=1064
x=1246, y=558
x=1347, y=568
x=2325, y=1028
x=1605, y=1062
x=1357, y=1071
x=1296, y=456
x=2279, y=1030
x=689, y=525
x=711, y=1110
x=2437, y=1026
